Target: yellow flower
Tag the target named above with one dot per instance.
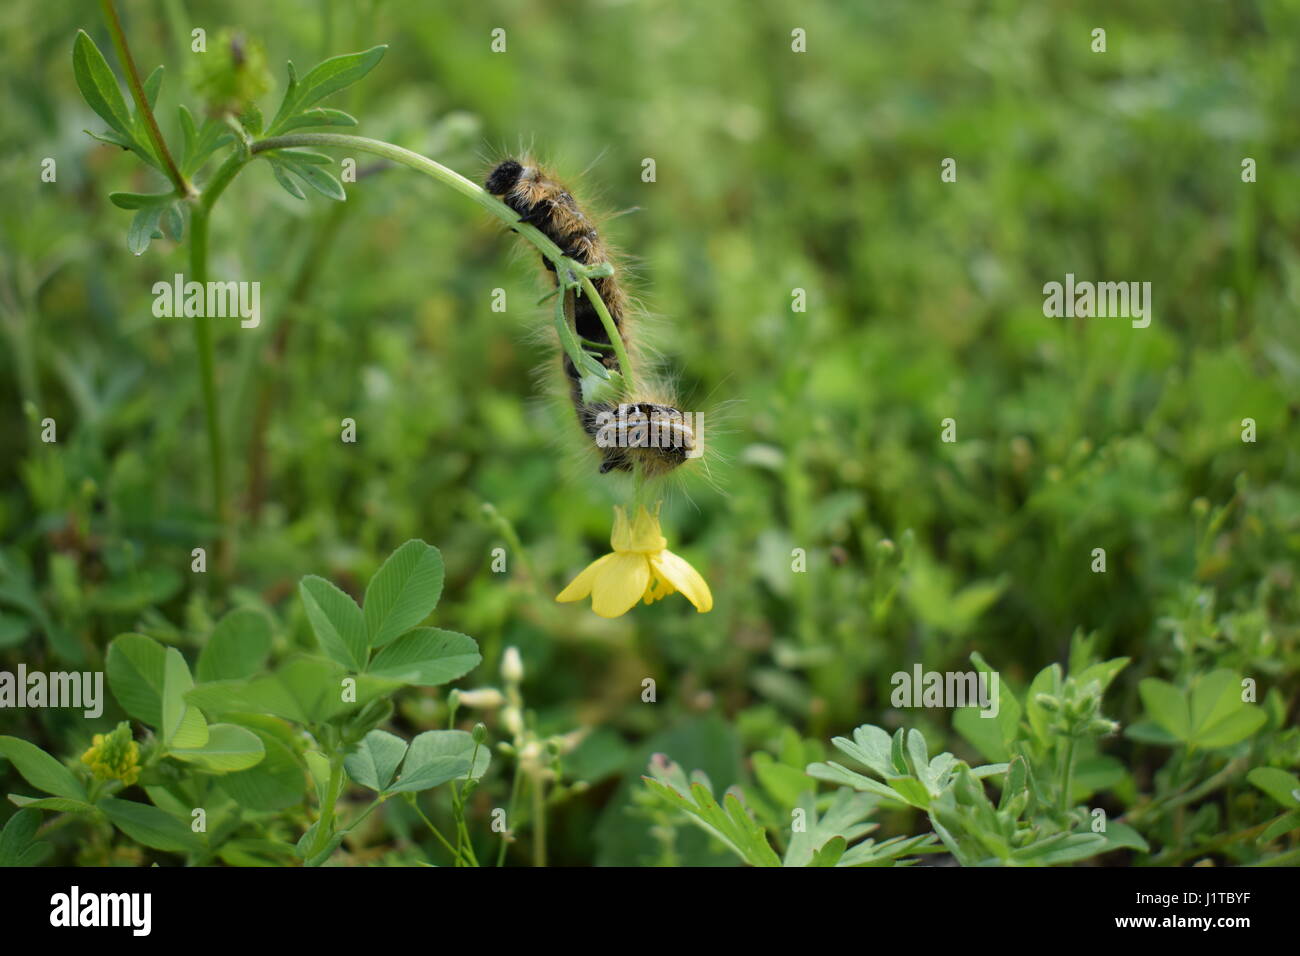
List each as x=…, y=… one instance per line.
x=640, y=568
x=114, y=756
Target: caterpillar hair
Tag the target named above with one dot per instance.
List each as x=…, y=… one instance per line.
x=618, y=432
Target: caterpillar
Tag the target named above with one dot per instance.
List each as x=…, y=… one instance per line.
x=643, y=430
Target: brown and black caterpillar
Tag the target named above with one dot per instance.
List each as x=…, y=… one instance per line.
x=654, y=434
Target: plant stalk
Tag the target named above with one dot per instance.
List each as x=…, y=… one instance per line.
x=481, y=196
x=173, y=171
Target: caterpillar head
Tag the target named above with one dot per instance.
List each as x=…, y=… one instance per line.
x=658, y=437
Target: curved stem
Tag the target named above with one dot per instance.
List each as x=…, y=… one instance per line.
x=465, y=187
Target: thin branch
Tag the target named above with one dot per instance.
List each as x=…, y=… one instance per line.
x=481, y=196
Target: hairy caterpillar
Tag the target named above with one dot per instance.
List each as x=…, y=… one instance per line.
x=641, y=430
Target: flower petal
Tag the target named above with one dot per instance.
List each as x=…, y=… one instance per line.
x=581, y=586
x=620, y=539
x=620, y=584
x=645, y=535
x=678, y=572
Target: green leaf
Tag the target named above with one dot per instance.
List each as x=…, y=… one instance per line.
x=308, y=839
x=1213, y=715
x=438, y=770
x=173, y=223
x=251, y=119
x=143, y=229
x=228, y=748
x=1219, y=717
x=1165, y=704
x=783, y=782
x=836, y=773
x=306, y=689
x=152, y=85
x=435, y=744
x=1064, y=848
x=318, y=116
x=1047, y=681
x=183, y=725
x=41, y=770
x=729, y=823
x=57, y=804
x=1103, y=672
x=140, y=200
x=844, y=819
x=337, y=622
x=1282, y=825
x=112, y=138
x=403, y=591
x=276, y=783
x=285, y=179
x=99, y=86
x=1149, y=732
x=135, y=668
x=149, y=825
x=237, y=648
x=427, y=657
x=1121, y=835
x=17, y=840
x=200, y=143
x=318, y=179
x=830, y=854
x=325, y=78
x=189, y=135
x=376, y=759
x=1281, y=786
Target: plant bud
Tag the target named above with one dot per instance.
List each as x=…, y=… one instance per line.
x=512, y=666
x=484, y=698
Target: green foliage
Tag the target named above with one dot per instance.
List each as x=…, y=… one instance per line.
x=1127, y=734
x=244, y=768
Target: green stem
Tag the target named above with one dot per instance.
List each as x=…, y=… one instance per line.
x=455, y=853
x=510, y=815
x=481, y=196
x=365, y=813
x=325, y=825
x=539, y=821
x=1157, y=808
x=208, y=383
x=173, y=172
x=1067, y=775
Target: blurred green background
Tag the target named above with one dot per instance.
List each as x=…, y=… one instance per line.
x=775, y=171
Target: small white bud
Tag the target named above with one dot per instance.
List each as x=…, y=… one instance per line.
x=512, y=666
x=513, y=721
x=485, y=698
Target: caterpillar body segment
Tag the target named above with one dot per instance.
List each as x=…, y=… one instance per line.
x=653, y=434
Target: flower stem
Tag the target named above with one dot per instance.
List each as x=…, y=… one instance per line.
x=539, y=821
x=510, y=814
x=481, y=196
x=455, y=853
x=208, y=383
x=1066, y=776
